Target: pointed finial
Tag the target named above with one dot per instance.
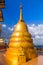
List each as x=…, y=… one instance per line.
x=21, y=12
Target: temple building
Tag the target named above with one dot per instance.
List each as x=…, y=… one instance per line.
x=2, y=5
x=21, y=48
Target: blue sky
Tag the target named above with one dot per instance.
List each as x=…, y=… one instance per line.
x=32, y=11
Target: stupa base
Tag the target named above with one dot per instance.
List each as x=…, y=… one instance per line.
x=36, y=61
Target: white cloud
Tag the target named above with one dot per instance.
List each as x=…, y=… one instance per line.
x=37, y=33
x=10, y=28
x=4, y=25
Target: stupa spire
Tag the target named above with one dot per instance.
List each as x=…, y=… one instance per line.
x=21, y=16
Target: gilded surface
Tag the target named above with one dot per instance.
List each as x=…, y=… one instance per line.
x=21, y=48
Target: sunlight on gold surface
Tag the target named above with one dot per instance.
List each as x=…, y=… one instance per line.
x=21, y=47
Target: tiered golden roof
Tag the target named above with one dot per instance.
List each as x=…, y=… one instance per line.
x=20, y=39
x=1, y=42
x=2, y=3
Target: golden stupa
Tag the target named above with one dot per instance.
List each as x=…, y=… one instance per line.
x=21, y=48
